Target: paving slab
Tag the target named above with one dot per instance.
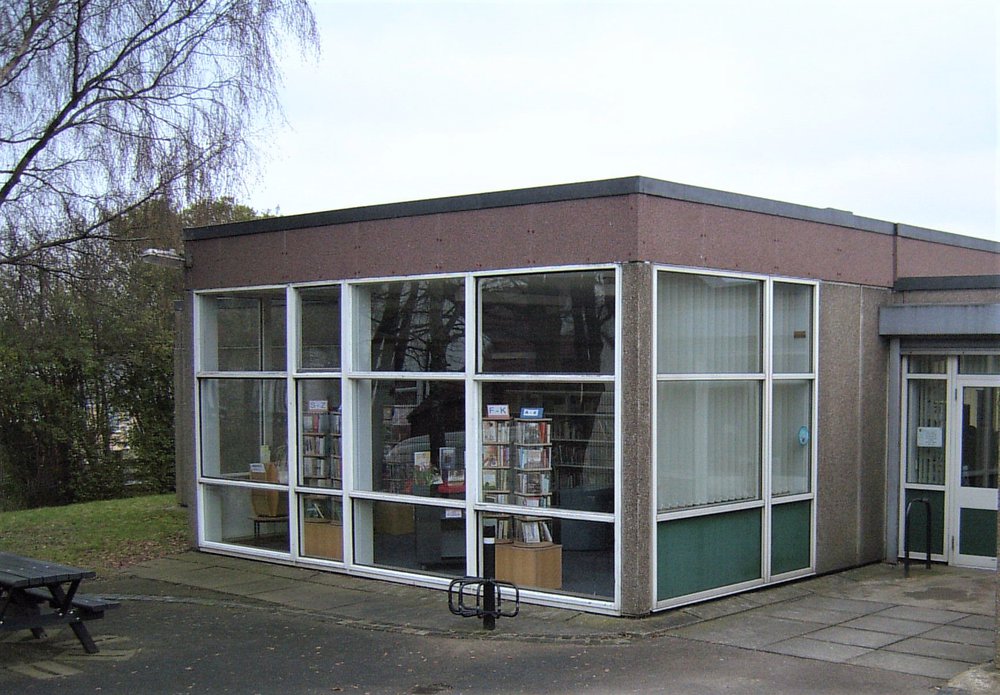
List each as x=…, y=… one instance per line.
x=804, y=611
x=962, y=635
x=894, y=626
x=856, y=637
x=311, y=597
x=939, y=649
x=737, y=631
x=912, y=664
x=722, y=607
x=255, y=584
x=817, y=649
x=982, y=622
x=846, y=605
x=215, y=577
x=927, y=615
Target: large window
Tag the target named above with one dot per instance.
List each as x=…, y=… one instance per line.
x=708, y=443
x=577, y=448
x=243, y=427
x=319, y=332
x=548, y=323
x=243, y=422
x=243, y=333
x=412, y=326
x=547, y=451
x=416, y=437
x=734, y=431
x=708, y=325
x=334, y=425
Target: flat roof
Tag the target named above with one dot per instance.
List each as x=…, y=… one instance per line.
x=630, y=185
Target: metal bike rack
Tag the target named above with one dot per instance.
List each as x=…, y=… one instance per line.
x=906, y=533
x=487, y=591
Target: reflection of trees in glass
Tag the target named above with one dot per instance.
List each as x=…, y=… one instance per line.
x=418, y=326
x=549, y=322
x=249, y=329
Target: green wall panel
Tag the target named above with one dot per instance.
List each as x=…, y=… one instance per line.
x=790, y=535
x=707, y=552
x=977, y=532
x=918, y=516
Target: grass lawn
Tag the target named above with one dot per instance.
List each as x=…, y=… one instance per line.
x=102, y=536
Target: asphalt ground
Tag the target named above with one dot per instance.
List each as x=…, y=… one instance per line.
x=199, y=623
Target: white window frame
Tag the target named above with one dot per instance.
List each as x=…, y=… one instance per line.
x=350, y=380
x=767, y=377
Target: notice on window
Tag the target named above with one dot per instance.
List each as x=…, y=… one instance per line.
x=930, y=437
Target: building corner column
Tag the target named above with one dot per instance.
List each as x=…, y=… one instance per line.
x=637, y=479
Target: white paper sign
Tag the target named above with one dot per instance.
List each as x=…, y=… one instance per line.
x=930, y=437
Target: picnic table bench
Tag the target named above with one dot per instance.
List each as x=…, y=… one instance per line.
x=35, y=594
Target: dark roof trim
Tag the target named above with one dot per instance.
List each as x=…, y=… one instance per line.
x=629, y=185
x=934, y=236
x=939, y=320
x=546, y=194
x=950, y=282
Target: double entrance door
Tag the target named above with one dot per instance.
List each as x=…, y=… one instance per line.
x=952, y=459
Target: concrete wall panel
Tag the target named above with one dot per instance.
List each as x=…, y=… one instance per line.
x=691, y=234
x=918, y=258
x=596, y=230
x=872, y=396
x=851, y=447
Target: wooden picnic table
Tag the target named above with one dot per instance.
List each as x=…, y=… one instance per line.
x=35, y=594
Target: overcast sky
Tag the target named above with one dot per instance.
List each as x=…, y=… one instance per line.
x=884, y=108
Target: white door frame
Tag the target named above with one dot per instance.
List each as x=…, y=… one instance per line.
x=961, y=497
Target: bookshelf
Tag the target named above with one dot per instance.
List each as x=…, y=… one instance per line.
x=517, y=470
x=320, y=456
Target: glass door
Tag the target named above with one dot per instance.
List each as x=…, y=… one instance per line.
x=974, y=505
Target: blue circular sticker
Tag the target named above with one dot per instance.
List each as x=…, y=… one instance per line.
x=803, y=435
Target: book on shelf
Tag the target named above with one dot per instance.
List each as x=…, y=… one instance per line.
x=315, y=423
x=533, y=431
x=496, y=431
x=534, y=501
x=535, y=457
x=495, y=456
x=314, y=446
x=532, y=531
x=494, y=480
x=534, y=483
x=316, y=468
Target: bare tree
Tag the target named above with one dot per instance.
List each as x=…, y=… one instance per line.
x=107, y=104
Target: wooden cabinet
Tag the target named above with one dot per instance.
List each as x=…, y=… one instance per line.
x=324, y=539
x=530, y=565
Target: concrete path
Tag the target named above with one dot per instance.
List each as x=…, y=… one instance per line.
x=935, y=627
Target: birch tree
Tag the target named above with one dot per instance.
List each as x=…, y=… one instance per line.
x=108, y=104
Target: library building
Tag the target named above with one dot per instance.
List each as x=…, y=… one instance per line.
x=652, y=394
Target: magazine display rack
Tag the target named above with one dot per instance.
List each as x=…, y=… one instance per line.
x=517, y=470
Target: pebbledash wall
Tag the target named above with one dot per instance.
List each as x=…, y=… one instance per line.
x=709, y=383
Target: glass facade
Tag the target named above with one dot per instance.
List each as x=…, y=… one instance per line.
x=734, y=431
x=554, y=323
x=416, y=437
x=384, y=473
x=412, y=326
x=382, y=425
